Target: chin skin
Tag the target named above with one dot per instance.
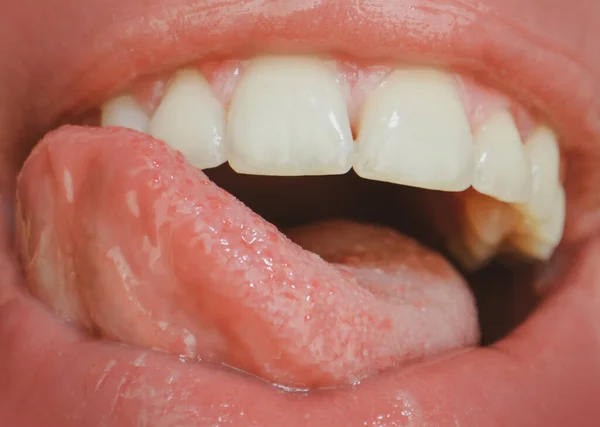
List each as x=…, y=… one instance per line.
x=67, y=56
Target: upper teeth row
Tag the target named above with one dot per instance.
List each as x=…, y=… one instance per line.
x=288, y=116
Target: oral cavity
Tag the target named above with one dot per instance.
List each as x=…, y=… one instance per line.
x=412, y=126
x=124, y=234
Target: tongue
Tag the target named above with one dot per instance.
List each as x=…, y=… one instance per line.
x=121, y=235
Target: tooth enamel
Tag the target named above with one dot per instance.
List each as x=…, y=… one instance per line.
x=124, y=111
x=490, y=219
x=543, y=155
x=539, y=238
x=501, y=168
x=486, y=224
x=470, y=252
x=191, y=120
x=288, y=117
x=414, y=131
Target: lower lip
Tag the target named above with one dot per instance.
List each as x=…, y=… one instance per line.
x=542, y=374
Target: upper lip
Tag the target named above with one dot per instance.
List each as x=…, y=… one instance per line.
x=535, y=54
x=539, y=52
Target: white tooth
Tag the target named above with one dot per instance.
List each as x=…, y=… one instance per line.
x=414, y=131
x=288, y=117
x=191, y=120
x=126, y=112
x=501, y=168
x=543, y=154
x=539, y=238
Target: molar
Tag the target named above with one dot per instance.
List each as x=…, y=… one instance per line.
x=288, y=117
x=414, y=131
x=191, y=120
x=501, y=168
x=126, y=112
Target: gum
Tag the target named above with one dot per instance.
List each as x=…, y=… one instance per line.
x=356, y=81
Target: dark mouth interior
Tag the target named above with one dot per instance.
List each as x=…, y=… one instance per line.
x=503, y=290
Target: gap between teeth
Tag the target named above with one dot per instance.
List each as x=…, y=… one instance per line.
x=288, y=115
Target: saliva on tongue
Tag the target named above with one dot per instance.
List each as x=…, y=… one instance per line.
x=166, y=259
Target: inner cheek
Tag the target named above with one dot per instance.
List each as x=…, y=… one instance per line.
x=10, y=274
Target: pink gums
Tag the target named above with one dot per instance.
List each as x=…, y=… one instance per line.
x=356, y=81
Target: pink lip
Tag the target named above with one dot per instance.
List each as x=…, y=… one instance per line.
x=545, y=373
x=543, y=54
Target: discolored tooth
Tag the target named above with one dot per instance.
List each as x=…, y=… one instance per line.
x=126, y=112
x=501, y=168
x=414, y=131
x=490, y=219
x=470, y=252
x=539, y=238
x=191, y=120
x=288, y=117
x=543, y=154
x=485, y=224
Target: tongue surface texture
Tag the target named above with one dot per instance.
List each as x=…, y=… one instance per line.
x=118, y=233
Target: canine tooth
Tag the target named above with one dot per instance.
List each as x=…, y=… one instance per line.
x=543, y=154
x=414, y=131
x=124, y=111
x=288, y=117
x=191, y=120
x=539, y=238
x=501, y=168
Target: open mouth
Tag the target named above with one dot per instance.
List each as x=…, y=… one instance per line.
x=308, y=233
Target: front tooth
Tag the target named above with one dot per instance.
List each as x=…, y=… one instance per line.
x=414, y=131
x=191, y=120
x=539, y=238
x=501, y=168
x=543, y=154
x=288, y=117
x=126, y=112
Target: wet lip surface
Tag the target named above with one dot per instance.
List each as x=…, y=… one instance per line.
x=543, y=374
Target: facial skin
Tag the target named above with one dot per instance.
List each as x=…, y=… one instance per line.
x=62, y=57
